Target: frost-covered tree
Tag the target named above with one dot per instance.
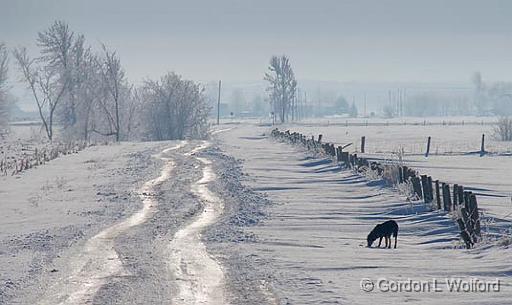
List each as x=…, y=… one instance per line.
x=282, y=85
x=258, y=105
x=45, y=84
x=4, y=107
x=61, y=50
x=88, y=94
x=353, y=112
x=503, y=129
x=51, y=76
x=174, y=108
x=237, y=102
x=116, y=88
x=341, y=104
x=478, y=96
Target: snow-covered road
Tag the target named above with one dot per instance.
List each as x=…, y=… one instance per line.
x=199, y=277
x=98, y=261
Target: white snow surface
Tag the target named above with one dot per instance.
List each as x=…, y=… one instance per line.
x=315, y=238
x=199, y=276
x=98, y=260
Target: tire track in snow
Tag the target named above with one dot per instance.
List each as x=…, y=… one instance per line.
x=220, y=130
x=99, y=260
x=199, y=277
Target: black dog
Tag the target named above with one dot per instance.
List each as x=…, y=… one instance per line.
x=385, y=230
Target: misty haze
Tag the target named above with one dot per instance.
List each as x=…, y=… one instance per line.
x=255, y=152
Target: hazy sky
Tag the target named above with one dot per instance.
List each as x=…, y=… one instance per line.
x=326, y=40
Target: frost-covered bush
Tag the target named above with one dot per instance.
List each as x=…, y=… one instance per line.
x=503, y=129
x=173, y=108
x=370, y=174
x=390, y=174
x=407, y=189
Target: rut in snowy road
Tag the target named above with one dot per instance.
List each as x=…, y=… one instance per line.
x=200, y=278
x=99, y=260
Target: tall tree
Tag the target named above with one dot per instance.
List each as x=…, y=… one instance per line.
x=4, y=109
x=237, y=102
x=45, y=85
x=60, y=50
x=89, y=93
x=115, y=82
x=478, y=98
x=282, y=85
x=353, y=110
x=49, y=76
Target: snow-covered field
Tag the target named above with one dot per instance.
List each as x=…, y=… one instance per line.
x=452, y=159
x=242, y=219
x=314, y=241
x=449, y=138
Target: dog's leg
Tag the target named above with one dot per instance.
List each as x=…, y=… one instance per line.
x=395, y=240
x=386, y=240
x=380, y=241
x=389, y=245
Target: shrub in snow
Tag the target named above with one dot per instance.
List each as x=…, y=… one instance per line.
x=503, y=129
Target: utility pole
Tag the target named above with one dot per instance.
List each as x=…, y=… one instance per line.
x=218, y=106
x=404, y=101
x=305, y=103
x=293, y=108
x=299, y=105
x=398, y=98
x=365, y=104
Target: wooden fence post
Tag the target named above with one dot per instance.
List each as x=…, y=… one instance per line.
x=464, y=234
x=482, y=146
x=466, y=199
x=461, y=194
x=417, y=187
x=438, y=195
x=468, y=220
x=455, y=196
x=428, y=147
x=430, y=190
x=363, y=140
x=424, y=184
x=447, y=197
x=475, y=217
x=345, y=157
x=405, y=172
